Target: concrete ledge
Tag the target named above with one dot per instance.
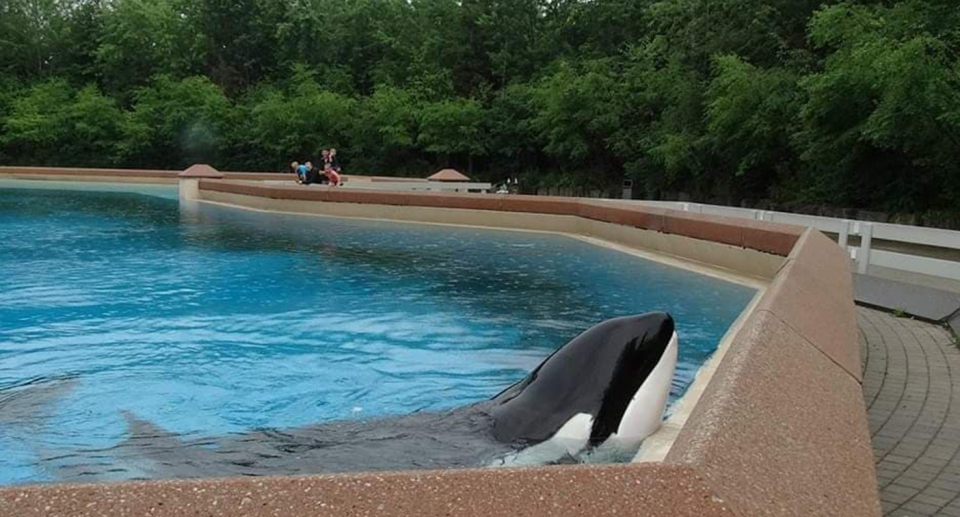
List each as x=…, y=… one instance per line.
x=924, y=302
x=573, y=491
x=82, y=172
x=781, y=429
x=100, y=175
x=813, y=295
x=156, y=176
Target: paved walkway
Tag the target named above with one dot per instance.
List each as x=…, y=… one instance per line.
x=912, y=389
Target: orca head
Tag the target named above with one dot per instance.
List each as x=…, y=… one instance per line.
x=613, y=379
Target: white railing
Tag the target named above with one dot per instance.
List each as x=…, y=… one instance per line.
x=418, y=186
x=405, y=186
x=863, y=255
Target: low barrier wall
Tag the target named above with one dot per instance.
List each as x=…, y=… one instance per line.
x=780, y=429
x=126, y=175
x=163, y=176
x=750, y=249
x=84, y=174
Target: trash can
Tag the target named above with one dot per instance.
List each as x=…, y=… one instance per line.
x=627, y=189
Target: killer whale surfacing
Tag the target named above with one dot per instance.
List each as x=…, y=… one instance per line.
x=608, y=384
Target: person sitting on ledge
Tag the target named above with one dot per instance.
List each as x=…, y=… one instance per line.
x=295, y=168
x=303, y=173
x=331, y=174
x=315, y=175
x=334, y=163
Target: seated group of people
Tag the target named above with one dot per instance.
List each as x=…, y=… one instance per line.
x=327, y=172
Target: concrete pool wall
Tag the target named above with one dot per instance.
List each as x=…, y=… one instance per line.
x=780, y=429
x=751, y=250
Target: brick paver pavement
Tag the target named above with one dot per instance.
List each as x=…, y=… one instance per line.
x=911, y=385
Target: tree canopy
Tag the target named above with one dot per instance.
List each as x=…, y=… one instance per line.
x=853, y=103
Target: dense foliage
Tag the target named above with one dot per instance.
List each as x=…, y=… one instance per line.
x=852, y=103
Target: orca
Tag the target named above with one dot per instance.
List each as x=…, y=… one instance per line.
x=610, y=383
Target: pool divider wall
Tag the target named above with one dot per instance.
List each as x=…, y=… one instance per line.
x=753, y=250
x=189, y=181
x=780, y=429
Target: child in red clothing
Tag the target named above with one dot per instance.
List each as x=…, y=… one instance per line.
x=331, y=174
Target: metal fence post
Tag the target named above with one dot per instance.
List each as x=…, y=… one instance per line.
x=863, y=258
x=844, y=235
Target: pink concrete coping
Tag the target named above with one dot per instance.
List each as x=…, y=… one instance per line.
x=812, y=295
x=201, y=170
x=79, y=172
x=781, y=430
x=782, y=427
x=448, y=175
x=554, y=491
x=396, y=179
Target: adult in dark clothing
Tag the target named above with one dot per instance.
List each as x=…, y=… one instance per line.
x=326, y=159
x=334, y=163
x=314, y=174
x=321, y=165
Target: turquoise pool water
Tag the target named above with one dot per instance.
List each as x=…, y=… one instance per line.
x=218, y=320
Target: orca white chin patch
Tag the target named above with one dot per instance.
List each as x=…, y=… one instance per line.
x=644, y=413
x=575, y=434
x=567, y=441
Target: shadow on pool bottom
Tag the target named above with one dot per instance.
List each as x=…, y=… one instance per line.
x=458, y=438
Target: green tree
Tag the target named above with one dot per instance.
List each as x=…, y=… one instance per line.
x=503, y=42
x=294, y=123
x=577, y=114
x=176, y=123
x=660, y=135
x=752, y=114
x=35, y=126
x=56, y=125
x=514, y=139
x=30, y=36
x=237, y=37
x=453, y=127
x=385, y=133
x=142, y=38
x=882, y=119
x=93, y=129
